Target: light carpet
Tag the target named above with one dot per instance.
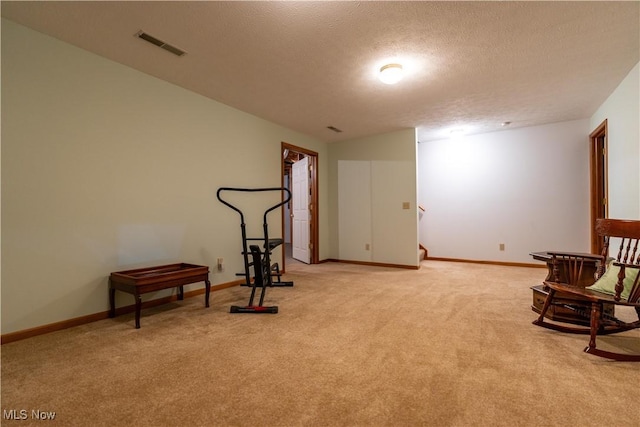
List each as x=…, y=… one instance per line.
x=451, y=344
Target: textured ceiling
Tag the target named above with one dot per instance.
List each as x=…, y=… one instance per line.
x=309, y=65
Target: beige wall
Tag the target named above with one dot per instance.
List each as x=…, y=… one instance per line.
x=622, y=112
x=527, y=188
x=105, y=168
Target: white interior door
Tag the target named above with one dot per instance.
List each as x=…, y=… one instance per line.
x=300, y=198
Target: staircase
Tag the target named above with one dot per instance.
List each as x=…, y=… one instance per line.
x=423, y=253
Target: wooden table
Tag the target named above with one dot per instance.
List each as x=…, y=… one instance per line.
x=151, y=279
x=559, y=311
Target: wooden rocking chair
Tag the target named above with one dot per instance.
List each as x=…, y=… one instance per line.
x=616, y=282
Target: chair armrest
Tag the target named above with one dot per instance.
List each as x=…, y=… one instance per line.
x=634, y=293
x=626, y=265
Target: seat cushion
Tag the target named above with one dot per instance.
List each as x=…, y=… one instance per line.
x=607, y=283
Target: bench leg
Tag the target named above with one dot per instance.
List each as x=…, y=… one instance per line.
x=112, y=302
x=138, y=307
x=180, y=293
x=207, y=292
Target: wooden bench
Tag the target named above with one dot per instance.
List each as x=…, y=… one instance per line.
x=143, y=280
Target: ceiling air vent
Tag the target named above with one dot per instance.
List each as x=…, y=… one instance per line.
x=333, y=128
x=149, y=38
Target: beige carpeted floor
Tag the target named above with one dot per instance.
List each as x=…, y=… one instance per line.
x=451, y=344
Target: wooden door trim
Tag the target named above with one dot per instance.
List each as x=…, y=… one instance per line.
x=598, y=179
x=314, y=222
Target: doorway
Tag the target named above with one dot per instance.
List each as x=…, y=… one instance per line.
x=598, y=172
x=290, y=155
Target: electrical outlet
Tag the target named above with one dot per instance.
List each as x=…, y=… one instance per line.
x=220, y=264
x=502, y=246
x=367, y=246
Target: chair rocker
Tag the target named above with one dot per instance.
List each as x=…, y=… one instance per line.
x=616, y=282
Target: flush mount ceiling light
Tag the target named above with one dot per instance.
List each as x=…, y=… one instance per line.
x=390, y=73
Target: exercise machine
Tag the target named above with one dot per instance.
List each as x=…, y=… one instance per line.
x=257, y=257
